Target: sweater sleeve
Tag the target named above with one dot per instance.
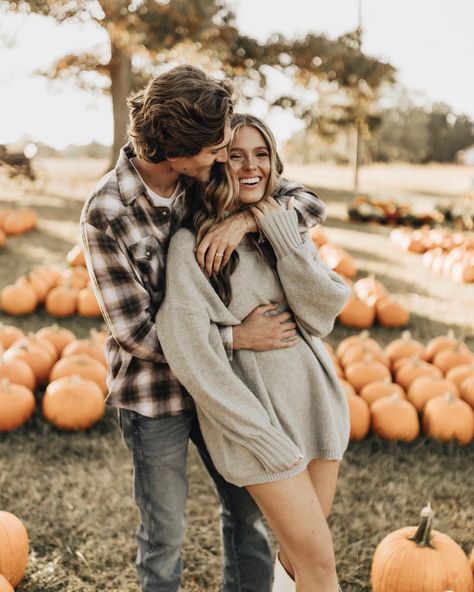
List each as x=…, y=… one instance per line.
x=192, y=346
x=315, y=293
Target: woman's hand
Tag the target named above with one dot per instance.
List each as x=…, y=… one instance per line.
x=215, y=249
x=269, y=206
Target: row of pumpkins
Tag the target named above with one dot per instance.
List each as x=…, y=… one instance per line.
x=63, y=293
x=370, y=301
x=390, y=212
x=72, y=371
x=443, y=251
x=390, y=388
x=409, y=559
x=14, y=222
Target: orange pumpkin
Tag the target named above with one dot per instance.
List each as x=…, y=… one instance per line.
x=19, y=372
x=9, y=334
x=13, y=548
x=91, y=347
x=61, y=301
x=424, y=388
x=18, y=299
x=58, y=336
x=380, y=389
x=74, y=276
x=39, y=286
x=395, y=418
x=72, y=403
x=362, y=373
x=347, y=386
x=450, y=358
x=412, y=368
x=76, y=257
x=358, y=353
x=370, y=289
x=87, y=305
x=17, y=222
x=448, y=418
x=357, y=313
x=49, y=273
x=421, y=559
x=31, y=339
x=390, y=313
x=36, y=356
x=361, y=339
x=359, y=415
x=17, y=405
x=84, y=366
x=467, y=390
x=338, y=260
x=404, y=347
x=439, y=343
x=458, y=374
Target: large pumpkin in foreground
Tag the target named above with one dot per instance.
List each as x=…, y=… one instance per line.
x=72, y=403
x=13, y=548
x=413, y=559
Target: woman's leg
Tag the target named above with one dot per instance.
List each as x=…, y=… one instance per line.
x=292, y=509
x=323, y=474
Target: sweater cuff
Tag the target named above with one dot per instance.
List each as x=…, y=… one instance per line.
x=276, y=451
x=281, y=229
x=227, y=336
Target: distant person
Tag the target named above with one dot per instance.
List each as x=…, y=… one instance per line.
x=179, y=128
x=275, y=421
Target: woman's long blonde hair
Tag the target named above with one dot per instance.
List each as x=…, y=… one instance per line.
x=211, y=203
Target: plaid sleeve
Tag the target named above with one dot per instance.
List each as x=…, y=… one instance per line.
x=123, y=300
x=309, y=207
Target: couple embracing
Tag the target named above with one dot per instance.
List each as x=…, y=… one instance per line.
x=215, y=300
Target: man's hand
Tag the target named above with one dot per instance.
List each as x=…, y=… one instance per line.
x=260, y=332
x=267, y=206
x=215, y=249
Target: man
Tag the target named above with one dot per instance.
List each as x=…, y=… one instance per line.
x=178, y=130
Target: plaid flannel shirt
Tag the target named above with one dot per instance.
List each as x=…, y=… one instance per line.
x=125, y=239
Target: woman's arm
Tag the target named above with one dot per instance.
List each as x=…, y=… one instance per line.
x=314, y=292
x=192, y=346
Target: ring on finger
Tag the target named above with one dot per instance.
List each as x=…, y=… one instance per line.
x=219, y=255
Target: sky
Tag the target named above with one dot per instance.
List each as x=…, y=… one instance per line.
x=431, y=42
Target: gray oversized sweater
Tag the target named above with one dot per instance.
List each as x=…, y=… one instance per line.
x=263, y=415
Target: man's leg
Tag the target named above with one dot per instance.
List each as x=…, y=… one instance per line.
x=248, y=562
x=159, y=449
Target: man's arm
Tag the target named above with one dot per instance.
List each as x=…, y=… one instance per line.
x=123, y=300
x=309, y=207
x=215, y=249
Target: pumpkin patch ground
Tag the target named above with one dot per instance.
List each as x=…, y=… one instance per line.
x=72, y=490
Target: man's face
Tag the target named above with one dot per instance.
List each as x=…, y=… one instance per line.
x=199, y=166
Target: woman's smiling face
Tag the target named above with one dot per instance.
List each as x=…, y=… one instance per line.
x=249, y=158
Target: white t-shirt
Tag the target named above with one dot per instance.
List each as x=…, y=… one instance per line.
x=158, y=200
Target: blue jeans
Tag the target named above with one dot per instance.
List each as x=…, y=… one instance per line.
x=159, y=452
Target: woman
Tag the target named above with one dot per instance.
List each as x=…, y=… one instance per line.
x=275, y=422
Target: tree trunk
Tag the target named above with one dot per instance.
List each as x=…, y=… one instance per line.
x=120, y=67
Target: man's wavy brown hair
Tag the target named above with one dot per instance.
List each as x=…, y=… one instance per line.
x=179, y=113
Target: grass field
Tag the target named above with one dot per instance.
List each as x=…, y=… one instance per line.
x=73, y=490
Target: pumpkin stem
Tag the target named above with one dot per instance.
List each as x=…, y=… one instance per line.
x=422, y=536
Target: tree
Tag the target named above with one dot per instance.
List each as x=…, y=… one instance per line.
x=153, y=32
